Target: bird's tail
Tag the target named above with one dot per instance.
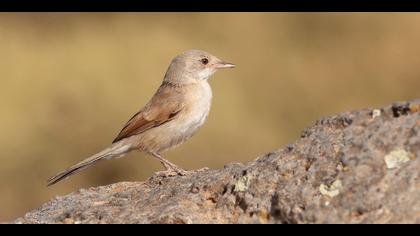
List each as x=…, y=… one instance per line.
x=116, y=150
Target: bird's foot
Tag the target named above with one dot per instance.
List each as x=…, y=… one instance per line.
x=172, y=170
x=167, y=173
x=180, y=171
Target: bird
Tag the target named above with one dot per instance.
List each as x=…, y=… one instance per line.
x=174, y=114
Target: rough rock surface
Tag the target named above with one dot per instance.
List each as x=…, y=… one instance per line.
x=355, y=167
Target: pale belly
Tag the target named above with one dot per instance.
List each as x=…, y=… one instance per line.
x=180, y=129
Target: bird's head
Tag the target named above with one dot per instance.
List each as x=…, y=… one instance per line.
x=194, y=66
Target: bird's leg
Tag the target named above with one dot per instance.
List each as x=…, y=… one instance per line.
x=170, y=167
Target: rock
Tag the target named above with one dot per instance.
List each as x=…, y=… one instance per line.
x=335, y=173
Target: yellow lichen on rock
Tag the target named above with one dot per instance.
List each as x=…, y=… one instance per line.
x=376, y=113
x=242, y=184
x=396, y=158
x=332, y=190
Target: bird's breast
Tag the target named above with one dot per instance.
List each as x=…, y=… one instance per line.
x=197, y=102
x=197, y=106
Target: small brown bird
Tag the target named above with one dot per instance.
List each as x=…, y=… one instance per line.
x=174, y=113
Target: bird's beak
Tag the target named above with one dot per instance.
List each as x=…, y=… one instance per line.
x=222, y=64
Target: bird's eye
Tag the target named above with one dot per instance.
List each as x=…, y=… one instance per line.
x=204, y=61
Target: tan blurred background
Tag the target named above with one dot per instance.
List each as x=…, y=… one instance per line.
x=69, y=82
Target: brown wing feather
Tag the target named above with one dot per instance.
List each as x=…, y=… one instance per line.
x=163, y=107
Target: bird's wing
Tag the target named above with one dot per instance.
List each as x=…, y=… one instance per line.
x=163, y=107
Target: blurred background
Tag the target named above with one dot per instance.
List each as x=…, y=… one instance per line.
x=69, y=82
